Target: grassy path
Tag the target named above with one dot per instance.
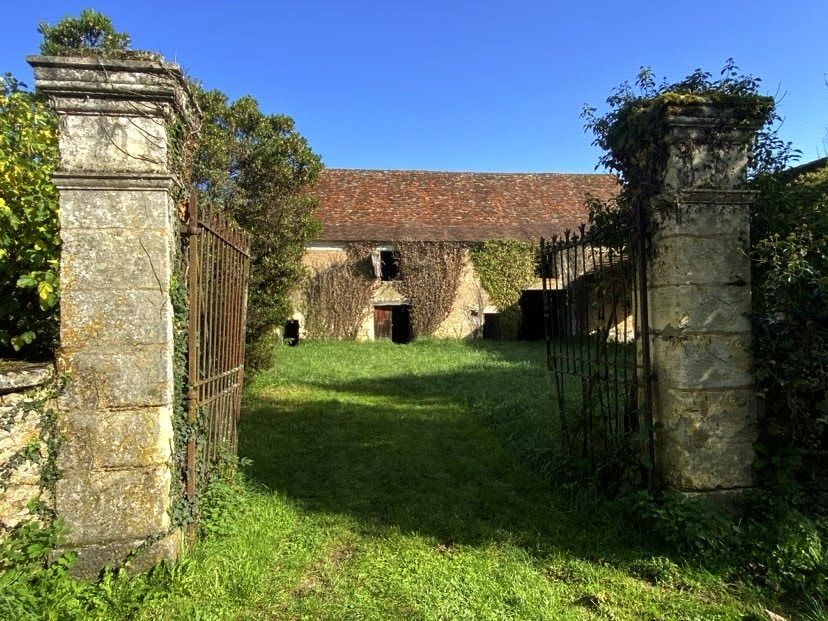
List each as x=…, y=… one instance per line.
x=383, y=491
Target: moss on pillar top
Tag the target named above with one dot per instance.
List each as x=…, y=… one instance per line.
x=646, y=119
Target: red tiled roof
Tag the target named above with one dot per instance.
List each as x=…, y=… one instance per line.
x=384, y=205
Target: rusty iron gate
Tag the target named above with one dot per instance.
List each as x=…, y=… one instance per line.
x=595, y=315
x=217, y=257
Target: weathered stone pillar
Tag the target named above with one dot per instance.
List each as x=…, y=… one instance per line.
x=699, y=303
x=119, y=231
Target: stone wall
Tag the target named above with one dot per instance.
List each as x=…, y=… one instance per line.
x=27, y=434
x=463, y=321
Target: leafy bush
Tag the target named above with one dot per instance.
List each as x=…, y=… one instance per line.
x=770, y=542
x=29, y=235
x=31, y=587
x=88, y=32
x=223, y=497
x=789, y=229
x=687, y=524
x=257, y=168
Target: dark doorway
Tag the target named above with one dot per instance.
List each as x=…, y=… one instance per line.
x=531, y=315
x=401, y=323
x=291, y=336
x=491, y=326
x=393, y=322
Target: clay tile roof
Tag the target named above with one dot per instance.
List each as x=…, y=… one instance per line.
x=384, y=205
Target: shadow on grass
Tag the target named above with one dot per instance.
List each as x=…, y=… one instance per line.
x=409, y=451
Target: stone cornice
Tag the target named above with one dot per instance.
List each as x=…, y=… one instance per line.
x=112, y=181
x=71, y=81
x=702, y=196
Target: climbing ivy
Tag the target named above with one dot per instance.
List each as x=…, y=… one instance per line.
x=429, y=277
x=505, y=269
x=42, y=449
x=337, y=297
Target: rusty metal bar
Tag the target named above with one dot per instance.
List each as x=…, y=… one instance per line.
x=595, y=282
x=218, y=269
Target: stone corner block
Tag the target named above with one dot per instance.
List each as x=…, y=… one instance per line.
x=116, y=439
x=104, y=506
x=92, y=559
x=101, y=379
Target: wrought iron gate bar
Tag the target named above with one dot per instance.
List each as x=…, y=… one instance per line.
x=218, y=269
x=592, y=312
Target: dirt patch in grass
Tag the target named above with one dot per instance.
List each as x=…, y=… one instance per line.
x=318, y=576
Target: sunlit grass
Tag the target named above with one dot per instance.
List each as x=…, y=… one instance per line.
x=391, y=482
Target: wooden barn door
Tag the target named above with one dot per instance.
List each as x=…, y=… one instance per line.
x=382, y=322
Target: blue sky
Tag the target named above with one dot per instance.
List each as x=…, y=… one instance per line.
x=487, y=86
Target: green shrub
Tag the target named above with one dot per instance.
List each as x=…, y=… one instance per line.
x=29, y=236
x=88, y=32
x=32, y=587
x=789, y=230
x=257, y=168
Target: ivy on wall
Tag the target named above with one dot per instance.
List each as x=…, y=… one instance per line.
x=337, y=297
x=505, y=269
x=429, y=278
x=42, y=449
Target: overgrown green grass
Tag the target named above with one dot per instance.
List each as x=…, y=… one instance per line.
x=402, y=482
x=389, y=482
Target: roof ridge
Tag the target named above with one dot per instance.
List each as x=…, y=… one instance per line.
x=468, y=172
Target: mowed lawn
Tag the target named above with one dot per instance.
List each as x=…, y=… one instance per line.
x=407, y=482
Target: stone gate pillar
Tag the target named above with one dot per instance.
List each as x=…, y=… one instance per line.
x=119, y=231
x=700, y=303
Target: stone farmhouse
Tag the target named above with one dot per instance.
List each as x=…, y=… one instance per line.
x=375, y=208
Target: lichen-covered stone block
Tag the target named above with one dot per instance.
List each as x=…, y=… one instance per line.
x=700, y=307
x=705, y=440
x=116, y=377
x=113, y=143
x=91, y=558
x=687, y=260
x=705, y=219
x=702, y=360
x=100, y=506
x=117, y=439
x=122, y=317
x=113, y=259
x=125, y=207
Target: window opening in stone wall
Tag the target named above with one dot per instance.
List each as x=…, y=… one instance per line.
x=389, y=265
